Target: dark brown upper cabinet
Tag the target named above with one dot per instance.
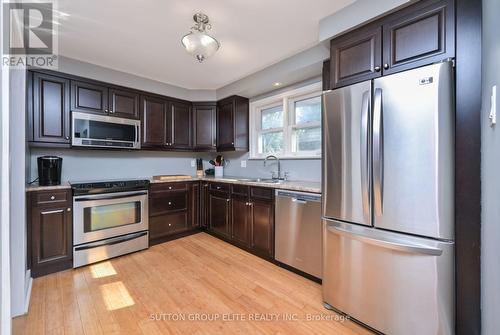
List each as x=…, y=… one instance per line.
x=204, y=126
x=232, y=124
x=89, y=97
x=178, y=126
x=419, y=35
x=48, y=109
x=153, y=119
x=356, y=56
x=123, y=103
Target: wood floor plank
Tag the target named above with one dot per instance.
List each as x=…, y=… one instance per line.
x=194, y=285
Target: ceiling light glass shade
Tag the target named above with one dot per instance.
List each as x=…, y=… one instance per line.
x=200, y=45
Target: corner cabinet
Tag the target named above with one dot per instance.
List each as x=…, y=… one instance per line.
x=50, y=231
x=232, y=124
x=48, y=110
x=420, y=34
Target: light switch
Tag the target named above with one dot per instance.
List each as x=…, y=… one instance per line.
x=493, y=110
x=244, y=164
x=193, y=162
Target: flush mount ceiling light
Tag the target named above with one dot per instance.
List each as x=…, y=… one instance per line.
x=197, y=42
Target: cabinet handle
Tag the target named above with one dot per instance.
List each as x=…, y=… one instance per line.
x=227, y=200
x=232, y=143
x=170, y=203
x=106, y=111
x=67, y=137
x=206, y=185
x=53, y=212
x=170, y=225
x=52, y=197
x=218, y=187
x=377, y=68
x=170, y=187
x=386, y=66
x=111, y=111
x=68, y=209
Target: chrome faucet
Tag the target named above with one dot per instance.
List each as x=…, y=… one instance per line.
x=279, y=167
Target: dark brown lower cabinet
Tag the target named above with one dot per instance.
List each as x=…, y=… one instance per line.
x=172, y=208
x=50, y=231
x=244, y=217
x=219, y=214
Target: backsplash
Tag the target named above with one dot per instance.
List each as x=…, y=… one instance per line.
x=81, y=165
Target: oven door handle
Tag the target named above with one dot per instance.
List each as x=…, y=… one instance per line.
x=109, y=197
x=111, y=241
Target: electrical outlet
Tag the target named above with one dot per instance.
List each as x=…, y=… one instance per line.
x=244, y=164
x=493, y=110
x=193, y=162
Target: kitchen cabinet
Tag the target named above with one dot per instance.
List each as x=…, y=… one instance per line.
x=232, y=124
x=48, y=110
x=204, y=126
x=356, y=56
x=219, y=207
x=50, y=231
x=240, y=229
x=172, y=210
x=204, y=204
x=195, y=204
x=89, y=97
x=417, y=35
x=123, y=103
x=153, y=121
x=178, y=126
x=262, y=227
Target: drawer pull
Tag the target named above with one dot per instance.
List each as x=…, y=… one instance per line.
x=218, y=187
x=52, y=197
x=170, y=202
x=170, y=225
x=170, y=187
x=227, y=200
x=68, y=209
x=53, y=212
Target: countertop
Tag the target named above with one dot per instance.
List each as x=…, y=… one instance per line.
x=302, y=186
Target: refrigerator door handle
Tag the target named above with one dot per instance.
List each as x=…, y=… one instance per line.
x=365, y=164
x=378, y=153
x=386, y=243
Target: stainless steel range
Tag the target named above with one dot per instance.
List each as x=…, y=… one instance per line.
x=110, y=219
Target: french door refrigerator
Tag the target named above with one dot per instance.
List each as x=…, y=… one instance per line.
x=388, y=201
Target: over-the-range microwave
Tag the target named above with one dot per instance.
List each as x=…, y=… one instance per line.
x=101, y=131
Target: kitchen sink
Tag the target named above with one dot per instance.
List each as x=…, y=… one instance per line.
x=262, y=180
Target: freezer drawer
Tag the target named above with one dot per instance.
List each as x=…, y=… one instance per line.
x=298, y=231
x=394, y=283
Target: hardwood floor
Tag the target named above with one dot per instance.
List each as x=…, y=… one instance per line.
x=193, y=285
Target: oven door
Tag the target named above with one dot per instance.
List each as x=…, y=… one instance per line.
x=101, y=216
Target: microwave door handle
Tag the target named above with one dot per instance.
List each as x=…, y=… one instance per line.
x=104, y=197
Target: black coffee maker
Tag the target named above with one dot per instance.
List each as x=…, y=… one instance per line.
x=49, y=170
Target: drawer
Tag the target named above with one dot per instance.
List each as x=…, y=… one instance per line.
x=167, y=201
x=220, y=187
x=51, y=197
x=240, y=190
x=161, y=187
x=261, y=193
x=168, y=224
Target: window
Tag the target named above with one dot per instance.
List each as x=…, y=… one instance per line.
x=287, y=125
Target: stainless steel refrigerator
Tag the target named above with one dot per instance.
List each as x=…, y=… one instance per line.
x=388, y=201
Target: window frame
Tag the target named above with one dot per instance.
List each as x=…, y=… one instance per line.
x=287, y=100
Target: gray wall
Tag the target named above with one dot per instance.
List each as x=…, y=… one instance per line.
x=490, y=249
x=20, y=279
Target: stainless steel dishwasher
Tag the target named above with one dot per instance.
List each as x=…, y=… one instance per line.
x=298, y=231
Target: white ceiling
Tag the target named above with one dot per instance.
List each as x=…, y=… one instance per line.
x=143, y=37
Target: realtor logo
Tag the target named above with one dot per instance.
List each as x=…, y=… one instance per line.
x=29, y=30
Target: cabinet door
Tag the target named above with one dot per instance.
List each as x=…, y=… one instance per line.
x=179, y=126
x=225, y=125
x=262, y=228
x=219, y=207
x=87, y=97
x=419, y=35
x=239, y=221
x=204, y=205
x=204, y=127
x=356, y=56
x=124, y=103
x=153, y=121
x=51, y=237
x=51, y=109
x=195, y=204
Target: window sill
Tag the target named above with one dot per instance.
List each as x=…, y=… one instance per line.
x=286, y=158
